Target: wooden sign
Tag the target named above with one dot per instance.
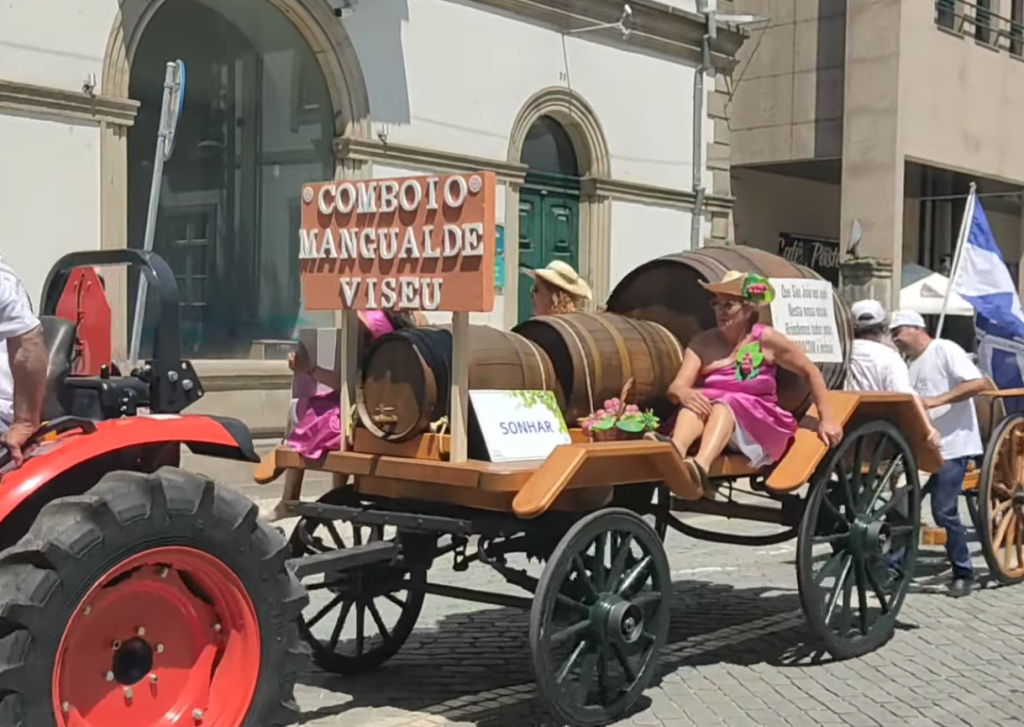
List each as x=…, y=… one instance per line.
x=415, y=243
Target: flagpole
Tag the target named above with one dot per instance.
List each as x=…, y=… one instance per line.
x=961, y=239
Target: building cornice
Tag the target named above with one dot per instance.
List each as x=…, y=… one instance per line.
x=433, y=160
x=656, y=26
x=59, y=103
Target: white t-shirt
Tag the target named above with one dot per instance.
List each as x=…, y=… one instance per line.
x=16, y=319
x=877, y=367
x=942, y=367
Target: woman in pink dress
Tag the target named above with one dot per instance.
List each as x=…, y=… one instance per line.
x=316, y=419
x=726, y=387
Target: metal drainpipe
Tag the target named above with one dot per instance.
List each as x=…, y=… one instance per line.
x=698, y=128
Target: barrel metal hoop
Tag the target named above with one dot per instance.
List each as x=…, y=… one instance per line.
x=554, y=321
x=620, y=343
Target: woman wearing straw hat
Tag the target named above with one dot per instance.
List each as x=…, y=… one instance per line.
x=726, y=386
x=557, y=288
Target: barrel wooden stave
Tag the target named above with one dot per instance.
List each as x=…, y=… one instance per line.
x=610, y=349
x=399, y=379
x=666, y=291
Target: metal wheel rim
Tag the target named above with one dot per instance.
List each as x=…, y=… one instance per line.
x=180, y=612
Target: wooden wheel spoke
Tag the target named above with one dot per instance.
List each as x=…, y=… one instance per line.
x=584, y=576
x=877, y=588
x=360, y=628
x=833, y=565
x=332, y=529
x=331, y=605
x=378, y=621
x=588, y=671
x=625, y=546
x=889, y=472
x=830, y=539
x=899, y=495
x=646, y=599
x=570, y=633
x=847, y=490
x=627, y=668
x=635, y=577
x=1004, y=524
x=575, y=605
x=862, y=594
x=838, y=586
x=395, y=600
x=570, y=663
x=604, y=546
x=1010, y=546
x=834, y=514
x=858, y=485
x=846, y=610
x=339, y=625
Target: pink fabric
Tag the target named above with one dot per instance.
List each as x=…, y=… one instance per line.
x=754, y=403
x=318, y=417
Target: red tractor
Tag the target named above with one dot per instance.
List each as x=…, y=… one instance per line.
x=133, y=592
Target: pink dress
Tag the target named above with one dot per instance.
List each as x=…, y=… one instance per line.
x=763, y=430
x=317, y=417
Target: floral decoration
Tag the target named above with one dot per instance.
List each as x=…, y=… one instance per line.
x=626, y=418
x=756, y=288
x=748, y=361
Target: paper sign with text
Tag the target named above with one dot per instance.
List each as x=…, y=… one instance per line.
x=519, y=425
x=414, y=243
x=804, y=310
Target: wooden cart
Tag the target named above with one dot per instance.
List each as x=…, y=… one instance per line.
x=994, y=491
x=599, y=613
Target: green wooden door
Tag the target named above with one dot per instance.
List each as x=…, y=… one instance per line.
x=548, y=230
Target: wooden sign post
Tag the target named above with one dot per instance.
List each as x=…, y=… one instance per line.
x=409, y=244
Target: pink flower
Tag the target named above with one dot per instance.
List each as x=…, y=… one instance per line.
x=632, y=409
x=757, y=288
x=746, y=365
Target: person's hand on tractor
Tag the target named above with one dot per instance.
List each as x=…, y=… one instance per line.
x=16, y=437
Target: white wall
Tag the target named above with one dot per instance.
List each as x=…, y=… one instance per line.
x=642, y=232
x=454, y=76
x=49, y=194
x=54, y=42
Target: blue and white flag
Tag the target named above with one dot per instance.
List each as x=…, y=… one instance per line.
x=983, y=280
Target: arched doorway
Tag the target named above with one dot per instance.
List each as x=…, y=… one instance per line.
x=257, y=123
x=549, y=203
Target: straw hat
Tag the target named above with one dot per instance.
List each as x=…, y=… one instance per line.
x=562, y=276
x=748, y=286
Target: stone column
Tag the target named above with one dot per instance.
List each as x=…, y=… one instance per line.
x=872, y=181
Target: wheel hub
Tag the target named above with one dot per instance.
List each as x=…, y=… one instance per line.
x=168, y=637
x=870, y=537
x=619, y=620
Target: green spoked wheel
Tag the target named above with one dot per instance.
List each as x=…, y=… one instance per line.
x=858, y=540
x=599, y=618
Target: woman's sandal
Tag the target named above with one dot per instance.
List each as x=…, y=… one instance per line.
x=696, y=471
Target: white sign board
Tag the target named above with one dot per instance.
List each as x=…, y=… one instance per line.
x=519, y=425
x=803, y=310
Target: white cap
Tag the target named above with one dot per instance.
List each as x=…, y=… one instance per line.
x=906, y=318
x=867, y=313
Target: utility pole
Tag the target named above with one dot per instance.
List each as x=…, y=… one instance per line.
x=708, y=9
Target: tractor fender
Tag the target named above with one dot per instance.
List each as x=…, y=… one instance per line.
x=207, y=435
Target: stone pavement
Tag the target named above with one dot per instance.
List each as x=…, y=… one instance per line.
x=738, y=654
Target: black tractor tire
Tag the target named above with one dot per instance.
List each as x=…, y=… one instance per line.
x=75, y=541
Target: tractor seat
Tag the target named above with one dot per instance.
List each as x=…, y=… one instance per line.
x=59, y=339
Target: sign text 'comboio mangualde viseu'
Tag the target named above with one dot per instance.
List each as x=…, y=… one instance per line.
x=415, y=243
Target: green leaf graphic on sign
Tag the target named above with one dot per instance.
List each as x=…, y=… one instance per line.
x=543, y=399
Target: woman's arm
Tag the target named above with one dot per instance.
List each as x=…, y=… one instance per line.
x=789, y=356
x=682, y=392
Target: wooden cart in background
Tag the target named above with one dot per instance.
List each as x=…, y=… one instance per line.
x=594, y=513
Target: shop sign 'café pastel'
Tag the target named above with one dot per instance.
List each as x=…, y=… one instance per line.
x=414, y=243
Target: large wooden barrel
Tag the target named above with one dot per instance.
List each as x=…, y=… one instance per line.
x=594, y=354
x=665, y=290
x=406, y=380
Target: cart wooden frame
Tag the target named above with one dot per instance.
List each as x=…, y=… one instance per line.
x=599, y=613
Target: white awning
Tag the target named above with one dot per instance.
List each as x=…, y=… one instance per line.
x=923, y=291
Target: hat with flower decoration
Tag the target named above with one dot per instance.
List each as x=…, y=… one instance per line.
x=747, y=286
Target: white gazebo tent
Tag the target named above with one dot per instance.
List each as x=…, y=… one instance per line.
x=923, y=291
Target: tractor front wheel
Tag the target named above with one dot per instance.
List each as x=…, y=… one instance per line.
x=152, y=600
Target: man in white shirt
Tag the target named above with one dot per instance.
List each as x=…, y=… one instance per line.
x=875, y=364
x=26, y=358
x=946, y=379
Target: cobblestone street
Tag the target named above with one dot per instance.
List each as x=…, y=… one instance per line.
x=738, y=654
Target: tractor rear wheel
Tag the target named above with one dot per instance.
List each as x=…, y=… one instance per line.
x=152, y=600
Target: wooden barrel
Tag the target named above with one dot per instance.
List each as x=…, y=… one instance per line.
x=665, y=290
x=594, y=354
x=406, y=379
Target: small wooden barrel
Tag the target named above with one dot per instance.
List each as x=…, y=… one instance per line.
x=605, y=350
x=665, y=290
x=406, y=381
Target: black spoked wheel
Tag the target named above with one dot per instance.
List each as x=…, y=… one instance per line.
x=599, y=618
x=858, y=540
x=653, y=498
x=357, y=619
x=1001, y=502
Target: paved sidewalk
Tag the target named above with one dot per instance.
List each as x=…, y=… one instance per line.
x=739, y=654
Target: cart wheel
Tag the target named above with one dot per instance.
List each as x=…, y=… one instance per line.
x=863, y=514
x=374, y=600
x=653, y=496
x=599, y=618
x=153, y=600
x=1001, y=501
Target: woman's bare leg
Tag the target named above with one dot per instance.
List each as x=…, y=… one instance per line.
x=717, y=433
x=688, y=429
